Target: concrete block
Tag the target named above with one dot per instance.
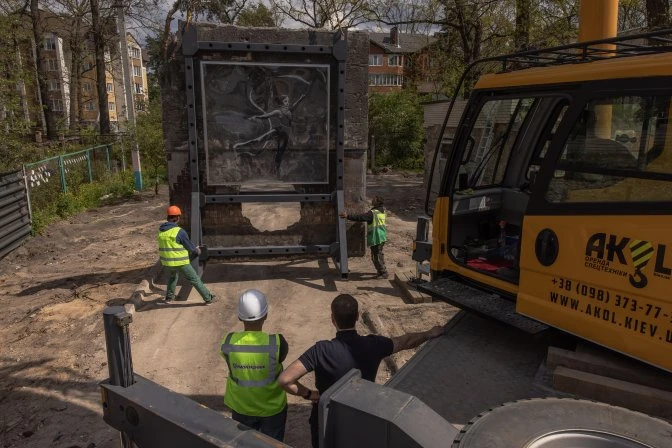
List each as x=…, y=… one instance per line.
x=409, y=293
x=603, y=362
x=645, y=399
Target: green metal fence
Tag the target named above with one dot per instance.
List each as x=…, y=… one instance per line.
x=49, y=178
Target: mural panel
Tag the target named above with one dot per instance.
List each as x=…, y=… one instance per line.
x=265, y=123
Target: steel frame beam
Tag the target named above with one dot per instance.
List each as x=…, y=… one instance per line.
x=191, y=46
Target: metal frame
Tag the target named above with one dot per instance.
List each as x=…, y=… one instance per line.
x=203, y=64
x=191, y=46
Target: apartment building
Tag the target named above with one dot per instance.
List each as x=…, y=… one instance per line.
x=64, y=75
x=395, y=58
x=114, y=85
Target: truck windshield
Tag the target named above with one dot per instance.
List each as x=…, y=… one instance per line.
x=494, y=133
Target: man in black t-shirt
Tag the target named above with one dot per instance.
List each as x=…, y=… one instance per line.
x=330, y=360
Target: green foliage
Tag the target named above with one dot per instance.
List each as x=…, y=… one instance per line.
x=395, y=119
x=149, y=135
x=87, y=195
x=257, y=15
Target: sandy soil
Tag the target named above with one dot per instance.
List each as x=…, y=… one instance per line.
x=55, y=287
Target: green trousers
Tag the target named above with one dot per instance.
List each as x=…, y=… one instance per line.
x=190, y=275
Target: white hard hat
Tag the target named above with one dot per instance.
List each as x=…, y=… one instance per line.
x=252, y=305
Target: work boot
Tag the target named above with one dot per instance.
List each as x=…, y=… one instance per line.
x=382, y=275
x=212, y=300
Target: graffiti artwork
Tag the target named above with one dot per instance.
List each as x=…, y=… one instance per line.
x=265, y=122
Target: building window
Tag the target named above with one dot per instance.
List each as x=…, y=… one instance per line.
x=87, y=65
x=140, y=105
x=386, y=79
x=86, y=87
x=138, y=88
x=394, y=60
x=375, y=59
x=108, y=57
x=137, y=71
x=50, y=43
x=50, y=65
x=54, y=85
x=112, y=107
x=57, y=105
x=110, y=87
x=90, y=106
x=134, y=52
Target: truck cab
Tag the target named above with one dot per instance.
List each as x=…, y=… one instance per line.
x=544, y=203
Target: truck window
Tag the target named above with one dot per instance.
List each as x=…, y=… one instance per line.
x=619, y=150
x=493, y=134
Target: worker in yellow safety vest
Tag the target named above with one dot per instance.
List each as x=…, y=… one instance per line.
x=255, y=358
x=376, y=234
x=175, y=248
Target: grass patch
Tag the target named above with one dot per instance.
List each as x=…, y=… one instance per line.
x=87, y=195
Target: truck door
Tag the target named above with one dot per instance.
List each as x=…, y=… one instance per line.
x=596, y=252
x=489, y=186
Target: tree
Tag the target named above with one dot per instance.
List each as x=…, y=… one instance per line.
x=410, y=16
x=521, y=37
x=16, y=72
x=38, y=39
x=330, y=14
x=149, y=135
x=259, y=15
x=657, y=13
x=395, y=119
x=99, y=51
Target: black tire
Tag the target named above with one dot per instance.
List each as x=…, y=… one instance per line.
x=517, y=424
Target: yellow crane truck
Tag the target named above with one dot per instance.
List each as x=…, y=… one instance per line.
x=544, y=204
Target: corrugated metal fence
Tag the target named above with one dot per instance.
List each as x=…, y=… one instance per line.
x=14, y=211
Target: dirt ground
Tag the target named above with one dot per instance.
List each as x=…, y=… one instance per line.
x=55, y=287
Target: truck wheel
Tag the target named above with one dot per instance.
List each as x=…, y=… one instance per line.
x=563, y=423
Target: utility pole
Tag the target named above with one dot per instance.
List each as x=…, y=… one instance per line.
x=128, y=90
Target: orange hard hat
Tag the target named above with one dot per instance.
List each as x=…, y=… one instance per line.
x=174, y=210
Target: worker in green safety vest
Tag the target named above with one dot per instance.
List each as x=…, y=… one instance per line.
x=255, y=358
x=376, y=234
x=175, y=248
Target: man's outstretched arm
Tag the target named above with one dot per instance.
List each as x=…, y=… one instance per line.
x=412, y=340
x=289, y=380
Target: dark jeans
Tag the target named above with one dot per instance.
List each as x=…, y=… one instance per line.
x=314, y=427
x=273, y=426
x=378, y=258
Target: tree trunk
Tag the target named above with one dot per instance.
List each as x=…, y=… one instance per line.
x=50, y=120
x=75, y=74
x=657, y=13
x=521, y=34
x=101, y=87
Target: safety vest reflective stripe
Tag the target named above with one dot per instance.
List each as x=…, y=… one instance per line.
x=271, y=349
x=377, y=232
x=171, y=253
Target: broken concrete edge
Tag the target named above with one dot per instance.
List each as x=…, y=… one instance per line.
x=145, y=288
x=376, y=326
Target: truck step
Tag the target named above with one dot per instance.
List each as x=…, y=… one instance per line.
x=480, y=302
